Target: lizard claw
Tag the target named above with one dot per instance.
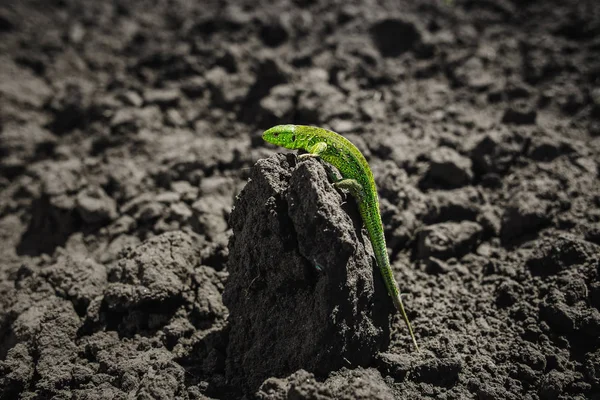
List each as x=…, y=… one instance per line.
x=307, y=156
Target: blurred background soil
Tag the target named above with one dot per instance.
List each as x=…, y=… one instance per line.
x=127, y=128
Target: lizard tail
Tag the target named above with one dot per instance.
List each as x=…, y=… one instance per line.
x=400, y=307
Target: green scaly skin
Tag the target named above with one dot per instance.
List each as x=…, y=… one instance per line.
x=357, y=178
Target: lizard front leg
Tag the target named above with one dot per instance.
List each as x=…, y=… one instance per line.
x=314, y=151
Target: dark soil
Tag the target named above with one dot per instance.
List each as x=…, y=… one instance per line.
x=131, y=268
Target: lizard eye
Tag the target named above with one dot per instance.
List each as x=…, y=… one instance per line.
x=275, y=134
x=293, y=138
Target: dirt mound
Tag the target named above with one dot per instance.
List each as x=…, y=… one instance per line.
x=152, y=245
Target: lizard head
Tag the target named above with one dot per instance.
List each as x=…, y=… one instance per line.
x=283, y=135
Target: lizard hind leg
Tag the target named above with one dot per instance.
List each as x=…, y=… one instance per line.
x=353, y=186
x=314, y=151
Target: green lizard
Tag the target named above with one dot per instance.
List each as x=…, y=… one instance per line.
x=357, y=178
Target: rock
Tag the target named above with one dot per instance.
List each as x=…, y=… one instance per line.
x=80, y=280
x=167, y=197
x=141, y=365
x=71, y=105
x=186, y=158
x=116, y=247
x=395, y=36
x=131, y=98
x=448, y=239
x=342, y=126
x=473, y=74
x=102, y=107
x=548, y=148
x=449, y=168
x=122, y=225
x=194, y=87
x=53, y=211
x=571, y=99
x=209, y=303
x=216, y=253
x=162, y=97
x=592, y=365
x=62, y=178
x=393, y=184
x=395, y=365
x=436, y=371
x=274, y=33
x=495, y=152
x=18, y=84
x=272, y=73
x=123, y=117
x=174, y=118
x=575, y=320
x=95, y=206
x=22, y=144
x=16, y=370
x=515, y=89
x=586, y=164
x=507, y=293
x=525, y=374
x=452, y=205
x=186, y=191
x=373, y=110
x=180, y=211
x=7, y=20
x=319, y=102
x=159, y=271
x=552, y=385
x=441, y=372
x=520, y=113
x=133, y=119
x=300, y=385
x=222, y=87
x=540, y=58
x=525, y=214
x=213, y=206
x=532, y=357
x=48, y=324
x=76, y=33
x=345, y=384
x=278, y=105
x=234, y=17
x=435, y=266
x=404, y=232
x=297, y=215
x=126, y=179
x=595, y=97
x=209, y=217
x=230, y=58
x=360, y=383
x=150, y=212
x=553, y=255
x=592, y=233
